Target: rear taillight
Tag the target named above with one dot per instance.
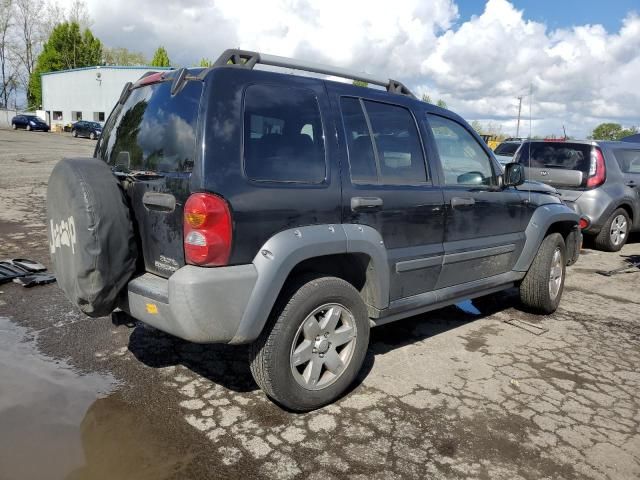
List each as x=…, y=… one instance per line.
x=207, y=230
x=597, y=169
x=584, y=223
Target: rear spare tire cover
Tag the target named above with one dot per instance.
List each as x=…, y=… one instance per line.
x=91, y=236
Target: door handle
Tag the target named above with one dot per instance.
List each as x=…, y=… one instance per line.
x=366, y=203
x=460, y=201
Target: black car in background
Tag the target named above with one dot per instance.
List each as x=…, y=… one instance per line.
x=29, y=122
x=83, y=128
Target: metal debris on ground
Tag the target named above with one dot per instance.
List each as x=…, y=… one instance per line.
x=529, y=327
x=630, y=267
x=27, y=273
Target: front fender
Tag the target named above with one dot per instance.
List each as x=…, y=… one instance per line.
x=541, y=220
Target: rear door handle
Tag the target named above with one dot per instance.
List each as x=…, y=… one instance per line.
x=366, y=203
x=460, y=201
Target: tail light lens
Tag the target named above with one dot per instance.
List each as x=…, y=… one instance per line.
x=597, y=169
x=584, y=223
x=207, y=230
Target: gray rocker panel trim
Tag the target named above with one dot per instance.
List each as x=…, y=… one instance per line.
x=282, y=252
x=541, y=220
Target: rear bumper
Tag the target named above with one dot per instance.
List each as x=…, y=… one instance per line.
x=202, y=305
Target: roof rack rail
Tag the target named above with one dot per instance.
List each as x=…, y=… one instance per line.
x=248, y=59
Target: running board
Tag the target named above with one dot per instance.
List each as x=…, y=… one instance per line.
x=428, y=301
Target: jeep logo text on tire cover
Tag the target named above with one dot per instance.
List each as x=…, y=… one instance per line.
x=63, y=233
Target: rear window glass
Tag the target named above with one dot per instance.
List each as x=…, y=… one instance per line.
x=629, y=160
x=153, y=131
x=566, y=156
x=283, y=139
x=506, y=149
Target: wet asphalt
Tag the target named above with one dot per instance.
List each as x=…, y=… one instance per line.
x=481, y=391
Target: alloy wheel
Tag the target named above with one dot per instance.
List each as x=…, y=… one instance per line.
x=323, y=346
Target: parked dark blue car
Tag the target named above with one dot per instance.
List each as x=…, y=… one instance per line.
x=83, y=128
x=29, y=122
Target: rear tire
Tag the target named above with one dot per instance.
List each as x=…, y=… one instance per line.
x=541, y=289
x=313, y=345
x=74, y=133
x=614, y=233
x=14, y=126
x=28, y=128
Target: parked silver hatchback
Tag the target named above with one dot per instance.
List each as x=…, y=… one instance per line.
x=599, y=180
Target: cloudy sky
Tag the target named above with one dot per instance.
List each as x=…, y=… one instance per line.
x=580, y=59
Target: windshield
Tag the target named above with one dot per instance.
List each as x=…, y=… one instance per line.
x=506, y=149
x=562, y=155
x=94, y=125
x=33, y=118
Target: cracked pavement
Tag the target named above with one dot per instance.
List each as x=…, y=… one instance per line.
x=450, y=394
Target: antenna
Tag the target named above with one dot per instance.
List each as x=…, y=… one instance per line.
x=530, y=130
x=519, y=110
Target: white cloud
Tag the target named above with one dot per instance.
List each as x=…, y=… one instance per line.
x=580, y=76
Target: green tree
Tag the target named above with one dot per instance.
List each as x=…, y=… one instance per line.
x=66, y=48
x=161, y=58
x=205, y=63
x=122, y=56
x=611, y=131
x=360, y=83
x=441, y=103
x=426, y=98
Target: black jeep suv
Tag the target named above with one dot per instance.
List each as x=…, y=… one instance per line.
x=238, y=205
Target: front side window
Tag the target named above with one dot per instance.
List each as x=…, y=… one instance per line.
x=629, y=160
x=283, y=139
x=464, y=162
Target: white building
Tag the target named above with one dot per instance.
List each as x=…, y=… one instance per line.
x=85, y=93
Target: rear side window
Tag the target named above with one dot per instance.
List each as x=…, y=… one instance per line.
x=383, y=142
x=629, y=160
x=562, y=155
x=283, y=139
x=153, y=130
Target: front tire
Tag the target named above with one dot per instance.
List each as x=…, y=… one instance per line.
x=615, y=232
x=542, y=286
x=313, y=345
x=92, y=136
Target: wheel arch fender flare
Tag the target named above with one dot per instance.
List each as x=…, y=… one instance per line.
x=541, y=221
x=279, y=255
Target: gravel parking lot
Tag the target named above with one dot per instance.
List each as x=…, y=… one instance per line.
x=490, y=392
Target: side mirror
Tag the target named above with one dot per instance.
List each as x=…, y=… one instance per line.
x=513, y=175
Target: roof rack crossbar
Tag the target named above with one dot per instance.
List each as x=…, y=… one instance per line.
x=248, y=59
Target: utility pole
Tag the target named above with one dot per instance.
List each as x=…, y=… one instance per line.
x=519, y=110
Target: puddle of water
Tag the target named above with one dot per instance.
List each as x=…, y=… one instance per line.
x=42, y=404
x=56, y=423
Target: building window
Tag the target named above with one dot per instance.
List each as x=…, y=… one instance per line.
x=76, y=116
x=98, y=116
x=57, y=115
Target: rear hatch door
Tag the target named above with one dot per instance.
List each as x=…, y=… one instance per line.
x=150, y=141
x=564, y=165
